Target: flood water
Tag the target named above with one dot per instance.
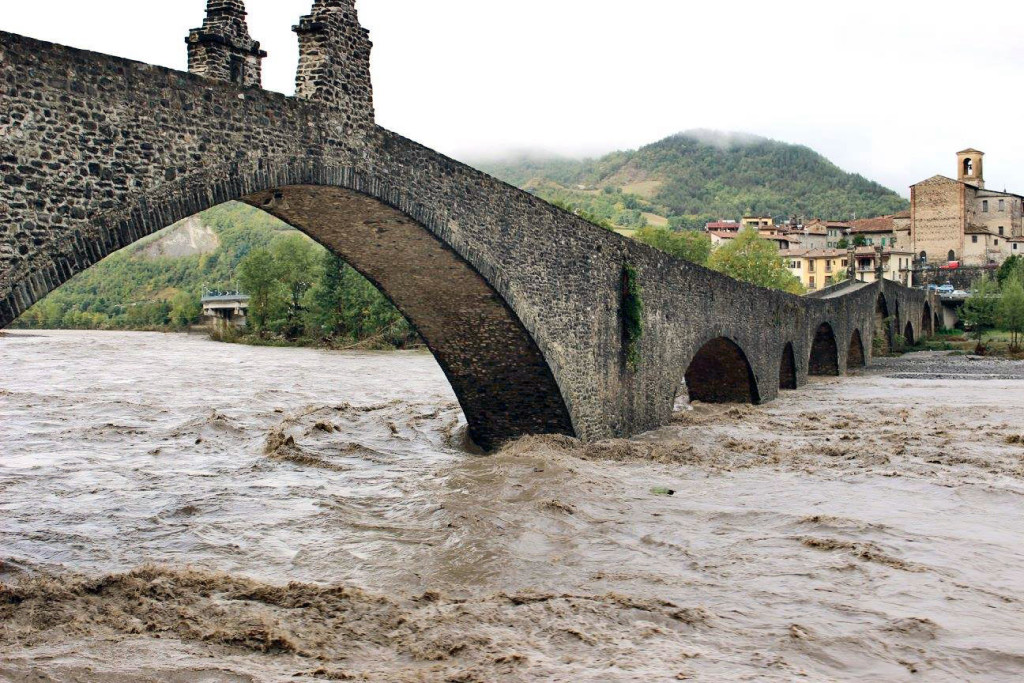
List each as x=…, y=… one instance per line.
x=174, y=509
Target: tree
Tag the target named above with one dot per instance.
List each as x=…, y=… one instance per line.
x=1012, y=267
x=860, y=241
x=1010, y=312
x=328, y=296
x=979, y=310
x=296, y=267
x=752, y=259
x=686, y=244
x=843, y=244
x=185, y=309
x=257, y=276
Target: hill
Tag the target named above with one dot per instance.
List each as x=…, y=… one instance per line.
x=690, y=178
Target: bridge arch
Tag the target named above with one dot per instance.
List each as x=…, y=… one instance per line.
x=926, y=328
x=855, y=357
x=824, y=358
x=721, y=373
x=908, y=334
x=505, y=384
x=787, y=368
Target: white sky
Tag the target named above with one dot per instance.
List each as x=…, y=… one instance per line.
x=887, y=88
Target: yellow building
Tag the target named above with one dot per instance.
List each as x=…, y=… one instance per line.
x=821, y=268
x=758, y=222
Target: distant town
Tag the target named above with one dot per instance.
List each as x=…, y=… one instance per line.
x=955, y=230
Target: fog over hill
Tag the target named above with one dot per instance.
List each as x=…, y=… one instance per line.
x=700, y=175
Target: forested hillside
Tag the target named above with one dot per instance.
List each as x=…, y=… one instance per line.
x=691, y=178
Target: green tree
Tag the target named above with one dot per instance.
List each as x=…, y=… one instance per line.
x=685, y=244
x=979, y=310
x=753, y=259
x=295, y=264
x=1010, y=312
x=843, y=244
x=859, y=241
x=327, y=297
x=185, y=309
x=1011, y=267
x=257, y=276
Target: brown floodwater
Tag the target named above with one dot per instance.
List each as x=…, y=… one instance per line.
x=173, y=509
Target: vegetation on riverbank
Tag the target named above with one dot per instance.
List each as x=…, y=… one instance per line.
x=305, y=295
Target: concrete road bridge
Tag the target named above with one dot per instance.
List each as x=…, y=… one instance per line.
x=542, y=322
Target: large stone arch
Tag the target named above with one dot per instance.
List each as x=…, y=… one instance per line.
x=824, y=359
x=855, y=358
x=721, y=373
x=908, y=334
x=926, y=321
x=503, y=382
x=787, y=368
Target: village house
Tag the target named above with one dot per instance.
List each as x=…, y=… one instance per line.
x=884, y=231
x=820, y=268
x=758, y=222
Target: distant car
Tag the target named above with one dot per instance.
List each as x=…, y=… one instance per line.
x=960, y=292
x=944, y=289
x=932, y=287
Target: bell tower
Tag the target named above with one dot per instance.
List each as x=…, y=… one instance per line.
x=970, y=167
x=222, y=49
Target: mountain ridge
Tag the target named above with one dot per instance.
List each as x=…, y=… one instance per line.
x=695, y=176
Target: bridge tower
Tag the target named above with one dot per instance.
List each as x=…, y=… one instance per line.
x=222, y=49
x=334, y=60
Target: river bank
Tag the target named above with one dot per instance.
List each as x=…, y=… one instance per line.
x=175, y=509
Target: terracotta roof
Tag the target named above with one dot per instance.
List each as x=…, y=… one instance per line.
x=723, y=225
x=902, y=214
x=879, y=224
x=970, y=150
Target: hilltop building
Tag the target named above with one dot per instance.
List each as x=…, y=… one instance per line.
x=962, y=220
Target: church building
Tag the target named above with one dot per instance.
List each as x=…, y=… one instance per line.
x=961, y=220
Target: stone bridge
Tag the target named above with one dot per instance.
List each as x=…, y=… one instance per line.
x=542, y=322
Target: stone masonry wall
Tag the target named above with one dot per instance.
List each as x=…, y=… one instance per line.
x=222, y=48
x=334, y=62
x=938, y=218
x=97, y=152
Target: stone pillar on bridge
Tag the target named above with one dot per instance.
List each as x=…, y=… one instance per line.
x=222, y=49
x=334, y=60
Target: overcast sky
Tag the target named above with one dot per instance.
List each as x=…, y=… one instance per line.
x=891, y=89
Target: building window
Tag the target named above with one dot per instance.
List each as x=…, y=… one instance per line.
x=974, y=238
x=984, y=206
x=845, y=263
x=1015, y=247
x=997, y=243
x=1002, y=205
x=810, y=282
x=924, y=257
x=968, y=168
x=952, y=255
x=1000, y=230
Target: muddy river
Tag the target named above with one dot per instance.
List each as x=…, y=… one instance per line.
x=173, y=509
